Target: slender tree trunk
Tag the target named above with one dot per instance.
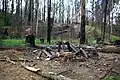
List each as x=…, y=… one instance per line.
x=82, y=30
x=112, y=20
x=109, y=32
x=109, y=27
x=49, y=22
x=26, y=12
x=18, y=23
x=101, y=23
x=54, y=12
x=62, y=11
x=68, y=14
x=29, y=15
x=3, y=5
x=37, y=24
x=105, y=14
x=21, y=19
x=12, y=7
x=32, y=13
x=6, y=2
x=93, y=14
x=44, y=10
x=37, y=13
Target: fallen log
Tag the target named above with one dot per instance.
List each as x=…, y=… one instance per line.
x=110, y=49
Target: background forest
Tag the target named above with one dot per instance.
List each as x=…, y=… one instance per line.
x=50, y=18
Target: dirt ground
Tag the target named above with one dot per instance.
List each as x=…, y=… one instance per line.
x=80, y=69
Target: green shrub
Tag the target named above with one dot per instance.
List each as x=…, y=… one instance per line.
x=115, y=38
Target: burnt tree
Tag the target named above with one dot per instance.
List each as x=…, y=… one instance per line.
x=82, y=29
x=49, y=23
x=29, y=15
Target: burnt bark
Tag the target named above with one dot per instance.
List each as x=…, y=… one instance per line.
x=82, y=30
x=44, y=10
x=29, y=15
x=49, y=23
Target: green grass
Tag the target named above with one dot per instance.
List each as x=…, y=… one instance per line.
x=21, y=42
x=112, y=78
x=13, y=42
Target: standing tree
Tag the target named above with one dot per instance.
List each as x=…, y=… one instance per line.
x=3, y=5
x=44, y=9
x=6, y=10
x=105, y=13
x=30, y=13
x=26, y=12
x=36, y=15
x=12, y=10
x=68, y=13
x=82, y=29
x=62, y=3
x=49, y=22
x=60, y=16
x=18, y=16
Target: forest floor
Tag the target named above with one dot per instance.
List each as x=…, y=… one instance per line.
x=86, y=69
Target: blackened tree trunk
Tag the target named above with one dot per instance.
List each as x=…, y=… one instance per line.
x=105, y=14
x=21, y=13
x=6, y=7
x=68, y=13
x=82, y=29
x=3, y=5
x=26, y=12
x=36, y=15
x=29, y=15
x=12, y=10
x=49, y=22
x=60, y=11
x=109, y=31
x=93, y=14
x=21, y=22
x=18, y=23
x=63, y=11
x=44, y=10
x=32, y=12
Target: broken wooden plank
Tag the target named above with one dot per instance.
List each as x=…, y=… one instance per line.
x=46, y=53
x=51, y=49
x=73, y=48
x=30, y=68
x=9, y=60
x=84, y=53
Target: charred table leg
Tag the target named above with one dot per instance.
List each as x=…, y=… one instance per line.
x=59, y=46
